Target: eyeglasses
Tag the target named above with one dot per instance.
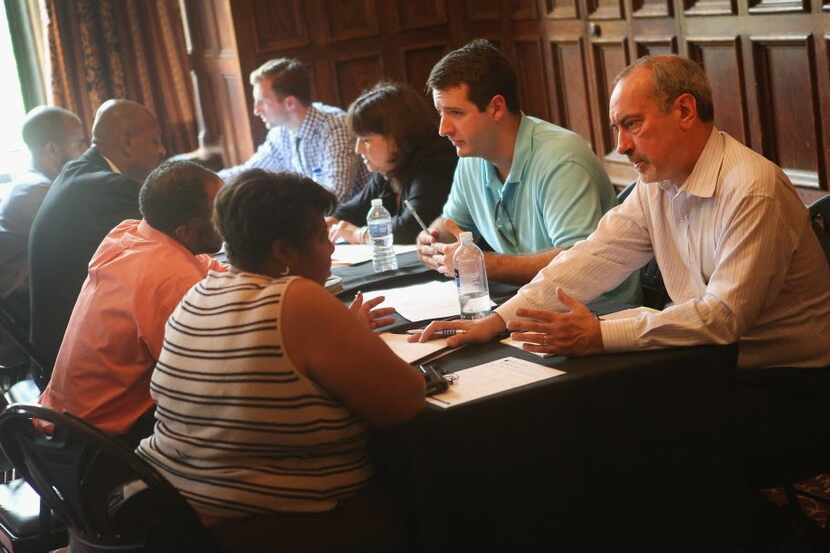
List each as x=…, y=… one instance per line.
x=504, y=225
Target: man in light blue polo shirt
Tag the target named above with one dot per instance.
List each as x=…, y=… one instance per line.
x=529, y=188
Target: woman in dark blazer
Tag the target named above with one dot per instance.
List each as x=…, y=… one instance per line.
x=397, y=137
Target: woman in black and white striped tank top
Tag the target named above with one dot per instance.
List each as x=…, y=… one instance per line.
x=266, y=382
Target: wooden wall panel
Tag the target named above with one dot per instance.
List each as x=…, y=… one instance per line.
x=279, y=25
x=483, y=10
x=418, y=61
x=605, y=9
x=790, y=124
x=424, y=13
x=709, y=7
x=525, y=10
x=652, y=8
x=777, y=6
x=566, y=9
x=219, y=88
x=767, y=60
x=570, y=80
x=355, y=74
x=722, y=60
x=351, y=19
x=655, y=45
x=610, y=57
x=532, y=78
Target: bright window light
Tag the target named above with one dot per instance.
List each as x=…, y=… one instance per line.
x=14, y=157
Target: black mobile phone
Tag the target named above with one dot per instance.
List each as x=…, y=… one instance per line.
x=436, y=383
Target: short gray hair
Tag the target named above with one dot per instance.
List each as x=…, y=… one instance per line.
x=673, y=76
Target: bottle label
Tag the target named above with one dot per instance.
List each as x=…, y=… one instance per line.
x=379, y=229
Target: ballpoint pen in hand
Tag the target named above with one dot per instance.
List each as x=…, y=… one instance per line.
x=444, y=333
x=415, y=214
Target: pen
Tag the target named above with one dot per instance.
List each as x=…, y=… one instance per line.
x=415, y=214
x=446, y=332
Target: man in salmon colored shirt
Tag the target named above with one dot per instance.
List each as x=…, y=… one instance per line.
x=136, y=278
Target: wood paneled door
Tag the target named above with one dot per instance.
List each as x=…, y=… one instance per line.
x=766, y=59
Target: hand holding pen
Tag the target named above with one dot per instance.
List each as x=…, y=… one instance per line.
x=443, y=333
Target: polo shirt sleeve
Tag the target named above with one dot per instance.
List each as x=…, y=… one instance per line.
x=456, y=207
x=571, y=202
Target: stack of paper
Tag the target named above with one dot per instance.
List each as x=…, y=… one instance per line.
x=353, y=254
x=491, y=378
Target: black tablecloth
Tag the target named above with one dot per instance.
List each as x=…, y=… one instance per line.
x=625, y=451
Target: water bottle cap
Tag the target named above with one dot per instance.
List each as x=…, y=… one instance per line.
x=466, y=237
x=376, y=202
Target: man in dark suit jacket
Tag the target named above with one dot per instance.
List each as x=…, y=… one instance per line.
x=92, y=195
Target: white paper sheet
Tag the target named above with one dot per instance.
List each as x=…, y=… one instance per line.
x=517, y=344
x=412, y=351
x=353, y=254
x=491, y=378
x=422, y=302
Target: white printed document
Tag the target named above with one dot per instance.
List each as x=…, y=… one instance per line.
x=422, y=302
x=491, y=378
x=517, y=344
x=412, y=351
x=353, y=254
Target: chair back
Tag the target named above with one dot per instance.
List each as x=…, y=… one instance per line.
x=110, y=499
x=623, y=194
x=17, y=332
x=820, y=216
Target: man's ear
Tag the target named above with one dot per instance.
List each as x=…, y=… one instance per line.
x=184, y=234
x=686, y=107
x=291, y=103
x=497, y=108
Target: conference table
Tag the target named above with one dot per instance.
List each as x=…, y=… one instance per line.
x=624, y=451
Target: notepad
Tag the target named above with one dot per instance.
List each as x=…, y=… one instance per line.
x=354, y=254
x=491, y=378
x=412, y=351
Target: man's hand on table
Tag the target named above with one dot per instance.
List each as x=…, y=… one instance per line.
x=367, y=314
x=434, y=254
x=476, y=331
x=574, y=332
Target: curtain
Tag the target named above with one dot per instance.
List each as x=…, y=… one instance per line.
x=133, y=49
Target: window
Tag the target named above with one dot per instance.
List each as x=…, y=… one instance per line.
x=14, y=157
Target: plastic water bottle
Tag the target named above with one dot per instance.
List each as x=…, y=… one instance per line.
x=380, y=233
x=471, y=279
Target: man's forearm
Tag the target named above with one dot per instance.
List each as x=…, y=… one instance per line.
x=517, y=269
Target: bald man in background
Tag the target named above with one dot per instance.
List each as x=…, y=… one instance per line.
x=93, y=194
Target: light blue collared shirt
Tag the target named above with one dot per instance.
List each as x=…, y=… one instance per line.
x=554, y=196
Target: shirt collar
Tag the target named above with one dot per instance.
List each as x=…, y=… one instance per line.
x=704, y=177
x=522, y=150
x=112, y=165
x=310, y=122
x=154, y=235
